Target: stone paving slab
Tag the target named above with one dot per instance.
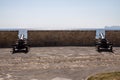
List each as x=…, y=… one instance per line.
x=57, y=63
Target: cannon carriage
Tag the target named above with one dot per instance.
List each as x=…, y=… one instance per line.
x=103, y=43
x=21, y=45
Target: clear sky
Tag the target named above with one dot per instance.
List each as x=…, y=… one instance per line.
x=59, y=13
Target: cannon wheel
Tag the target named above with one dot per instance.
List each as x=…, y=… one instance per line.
x=111, y=48
x=26, y=49
x=13, y=50
x=98, y=48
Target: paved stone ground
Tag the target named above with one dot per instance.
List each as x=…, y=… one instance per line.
x=57, y=63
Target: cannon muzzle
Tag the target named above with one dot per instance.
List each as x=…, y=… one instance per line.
x=102, y=36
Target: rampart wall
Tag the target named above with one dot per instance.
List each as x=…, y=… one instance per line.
x=113, y=36
x=38, y=38
x=7, y=38
x=62, y=38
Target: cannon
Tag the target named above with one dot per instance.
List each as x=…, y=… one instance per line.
x=21, y=45
x=103, y=43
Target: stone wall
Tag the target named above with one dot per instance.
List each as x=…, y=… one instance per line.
x=7, y=38
x=59, y=38
x=113, y=36
x=62, y=38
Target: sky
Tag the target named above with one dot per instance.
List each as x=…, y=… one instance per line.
x=53, y=14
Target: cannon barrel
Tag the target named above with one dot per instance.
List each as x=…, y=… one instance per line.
x=21, y=36
x=102, y=36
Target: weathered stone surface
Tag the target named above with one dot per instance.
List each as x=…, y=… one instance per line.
x=57, y=63
x=7, y=38
x=62, y=38
x=114, y=37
